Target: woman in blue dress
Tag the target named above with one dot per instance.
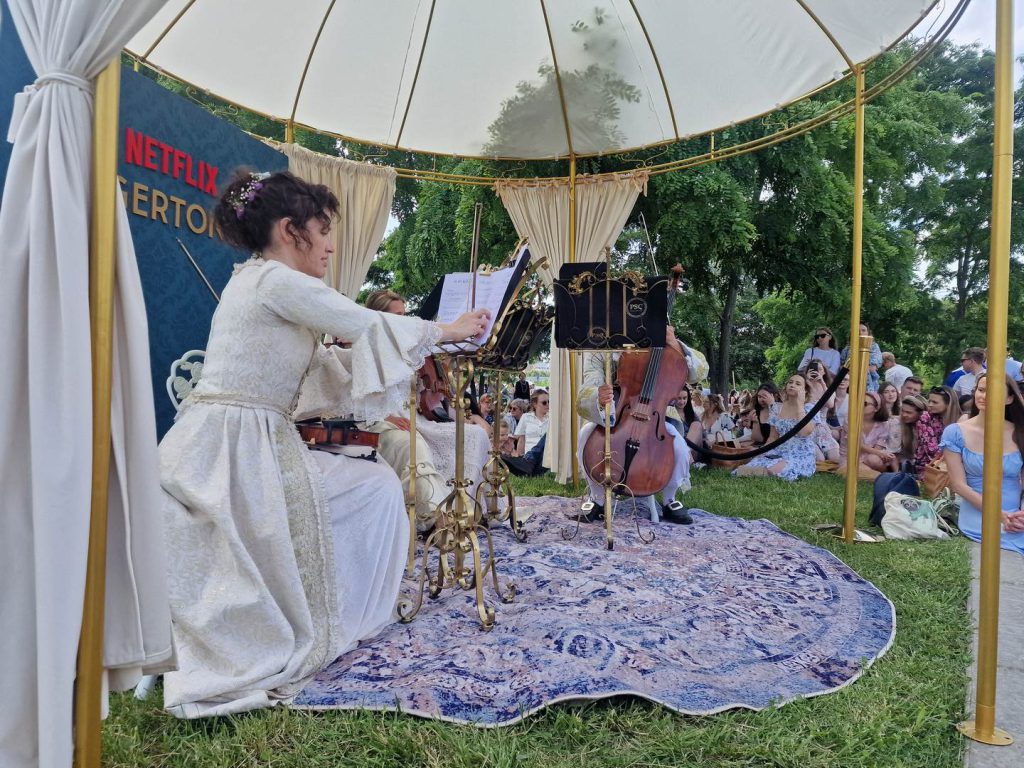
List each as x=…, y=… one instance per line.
x=794, y=458
x=962, y=446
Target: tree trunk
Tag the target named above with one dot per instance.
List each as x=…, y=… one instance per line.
x=725, y=335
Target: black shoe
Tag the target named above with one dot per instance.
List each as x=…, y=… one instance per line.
x=675, y=512
x=589, y=512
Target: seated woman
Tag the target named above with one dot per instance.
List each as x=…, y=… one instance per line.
x=716, y=423
x=507, y=444
x=794, y=458
x=534, y=423
x=280, y=558
x=963, y=449
x=911, y=410
x=943, y=409
x=685, y=420
x=819, y=380
x=874, y=359
x=838, y=416
x=875, y=454
x=765, y=397
x=435, y=441
x=890, y=397
x=823, y=347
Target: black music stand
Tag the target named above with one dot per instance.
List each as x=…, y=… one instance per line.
x=596, y=312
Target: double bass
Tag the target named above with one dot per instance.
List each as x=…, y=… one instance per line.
x=643, y=453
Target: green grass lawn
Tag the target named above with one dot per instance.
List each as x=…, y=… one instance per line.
x=900, y=713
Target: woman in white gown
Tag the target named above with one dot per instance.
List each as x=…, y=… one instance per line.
x=281, y=559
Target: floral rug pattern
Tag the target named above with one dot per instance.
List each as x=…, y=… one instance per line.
x=721, y=614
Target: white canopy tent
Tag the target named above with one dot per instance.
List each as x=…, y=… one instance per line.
x=471, y=78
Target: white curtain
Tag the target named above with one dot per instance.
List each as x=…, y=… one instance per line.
x=45, y=409
x=540, y=211
x=365, y=192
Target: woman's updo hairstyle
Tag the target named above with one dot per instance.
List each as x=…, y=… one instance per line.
x=254, y=202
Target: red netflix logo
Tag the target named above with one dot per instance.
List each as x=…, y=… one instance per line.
x=148, y=152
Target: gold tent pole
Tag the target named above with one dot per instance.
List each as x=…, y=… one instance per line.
x=574, y=425
x=856, y=414
x=102, y=244
x=983, y=728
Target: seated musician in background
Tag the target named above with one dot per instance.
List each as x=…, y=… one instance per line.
x=435, y=443
x=591, y=399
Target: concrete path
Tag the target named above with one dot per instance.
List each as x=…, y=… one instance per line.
x=1010, y=673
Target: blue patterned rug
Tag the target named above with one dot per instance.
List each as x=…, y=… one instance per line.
x=721, y=614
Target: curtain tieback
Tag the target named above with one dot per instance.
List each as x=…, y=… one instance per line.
x=22, y=100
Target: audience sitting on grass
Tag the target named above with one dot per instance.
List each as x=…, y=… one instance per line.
x=875, y=454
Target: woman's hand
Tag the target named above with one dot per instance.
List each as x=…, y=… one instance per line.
x=1013, y=522
x=467, y=326
x=398, y=421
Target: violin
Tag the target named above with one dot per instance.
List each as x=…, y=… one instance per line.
x=337, y=432
x=435, y=396
x=643, y=454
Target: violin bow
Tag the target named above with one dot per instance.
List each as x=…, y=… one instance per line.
x=474, y=254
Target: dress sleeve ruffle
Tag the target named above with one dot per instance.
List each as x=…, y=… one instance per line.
x=952, y=439
x=371, y=379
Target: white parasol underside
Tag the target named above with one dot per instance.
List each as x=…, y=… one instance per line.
x=477, y=77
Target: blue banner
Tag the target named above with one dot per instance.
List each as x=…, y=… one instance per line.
x=15, y=74
x=175, y=158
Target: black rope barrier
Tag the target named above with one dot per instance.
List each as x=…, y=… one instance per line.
x=753, y=452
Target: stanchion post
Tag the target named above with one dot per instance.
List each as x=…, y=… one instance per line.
x=983, y=727
x=856, y=390
x=102, y=260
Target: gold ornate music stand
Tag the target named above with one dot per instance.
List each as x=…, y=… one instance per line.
x=461, y=520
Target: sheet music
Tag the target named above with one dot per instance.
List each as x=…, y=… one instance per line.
x=491, y=290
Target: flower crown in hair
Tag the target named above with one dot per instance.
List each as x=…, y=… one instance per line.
x=246, y=193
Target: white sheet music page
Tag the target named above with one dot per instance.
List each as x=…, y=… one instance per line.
x=490, y=293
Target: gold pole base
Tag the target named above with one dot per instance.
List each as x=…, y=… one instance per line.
x=998, y=737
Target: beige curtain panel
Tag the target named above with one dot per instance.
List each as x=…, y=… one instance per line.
x=540, y=211
x=365, y=193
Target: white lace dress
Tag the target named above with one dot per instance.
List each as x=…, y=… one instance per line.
x=281, y=559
